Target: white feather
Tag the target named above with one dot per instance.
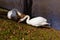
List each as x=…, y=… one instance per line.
x=9, y=14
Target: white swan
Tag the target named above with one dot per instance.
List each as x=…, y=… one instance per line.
x=13, y=14
x=38, y=21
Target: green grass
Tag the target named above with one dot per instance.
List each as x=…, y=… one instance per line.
x=11, y=30
x=4, y=10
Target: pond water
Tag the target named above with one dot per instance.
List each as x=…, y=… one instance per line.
x=56, y=24
x=54, y=21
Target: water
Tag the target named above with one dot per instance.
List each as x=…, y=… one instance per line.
x=55, y=22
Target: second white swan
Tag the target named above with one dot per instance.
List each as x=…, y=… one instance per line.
x=38, y=21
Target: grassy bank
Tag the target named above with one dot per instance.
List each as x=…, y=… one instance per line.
x=11, y=30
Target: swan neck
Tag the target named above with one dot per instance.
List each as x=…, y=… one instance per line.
x=28, y=18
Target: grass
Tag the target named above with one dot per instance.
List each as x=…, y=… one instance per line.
x=11, y=30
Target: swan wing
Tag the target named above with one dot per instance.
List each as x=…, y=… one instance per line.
x=42, y=19
x=37, y=21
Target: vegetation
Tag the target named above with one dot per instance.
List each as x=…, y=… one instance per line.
x=11, y=30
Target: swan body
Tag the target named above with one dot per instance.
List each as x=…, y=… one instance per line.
x=38, y=21
x=13, y=14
